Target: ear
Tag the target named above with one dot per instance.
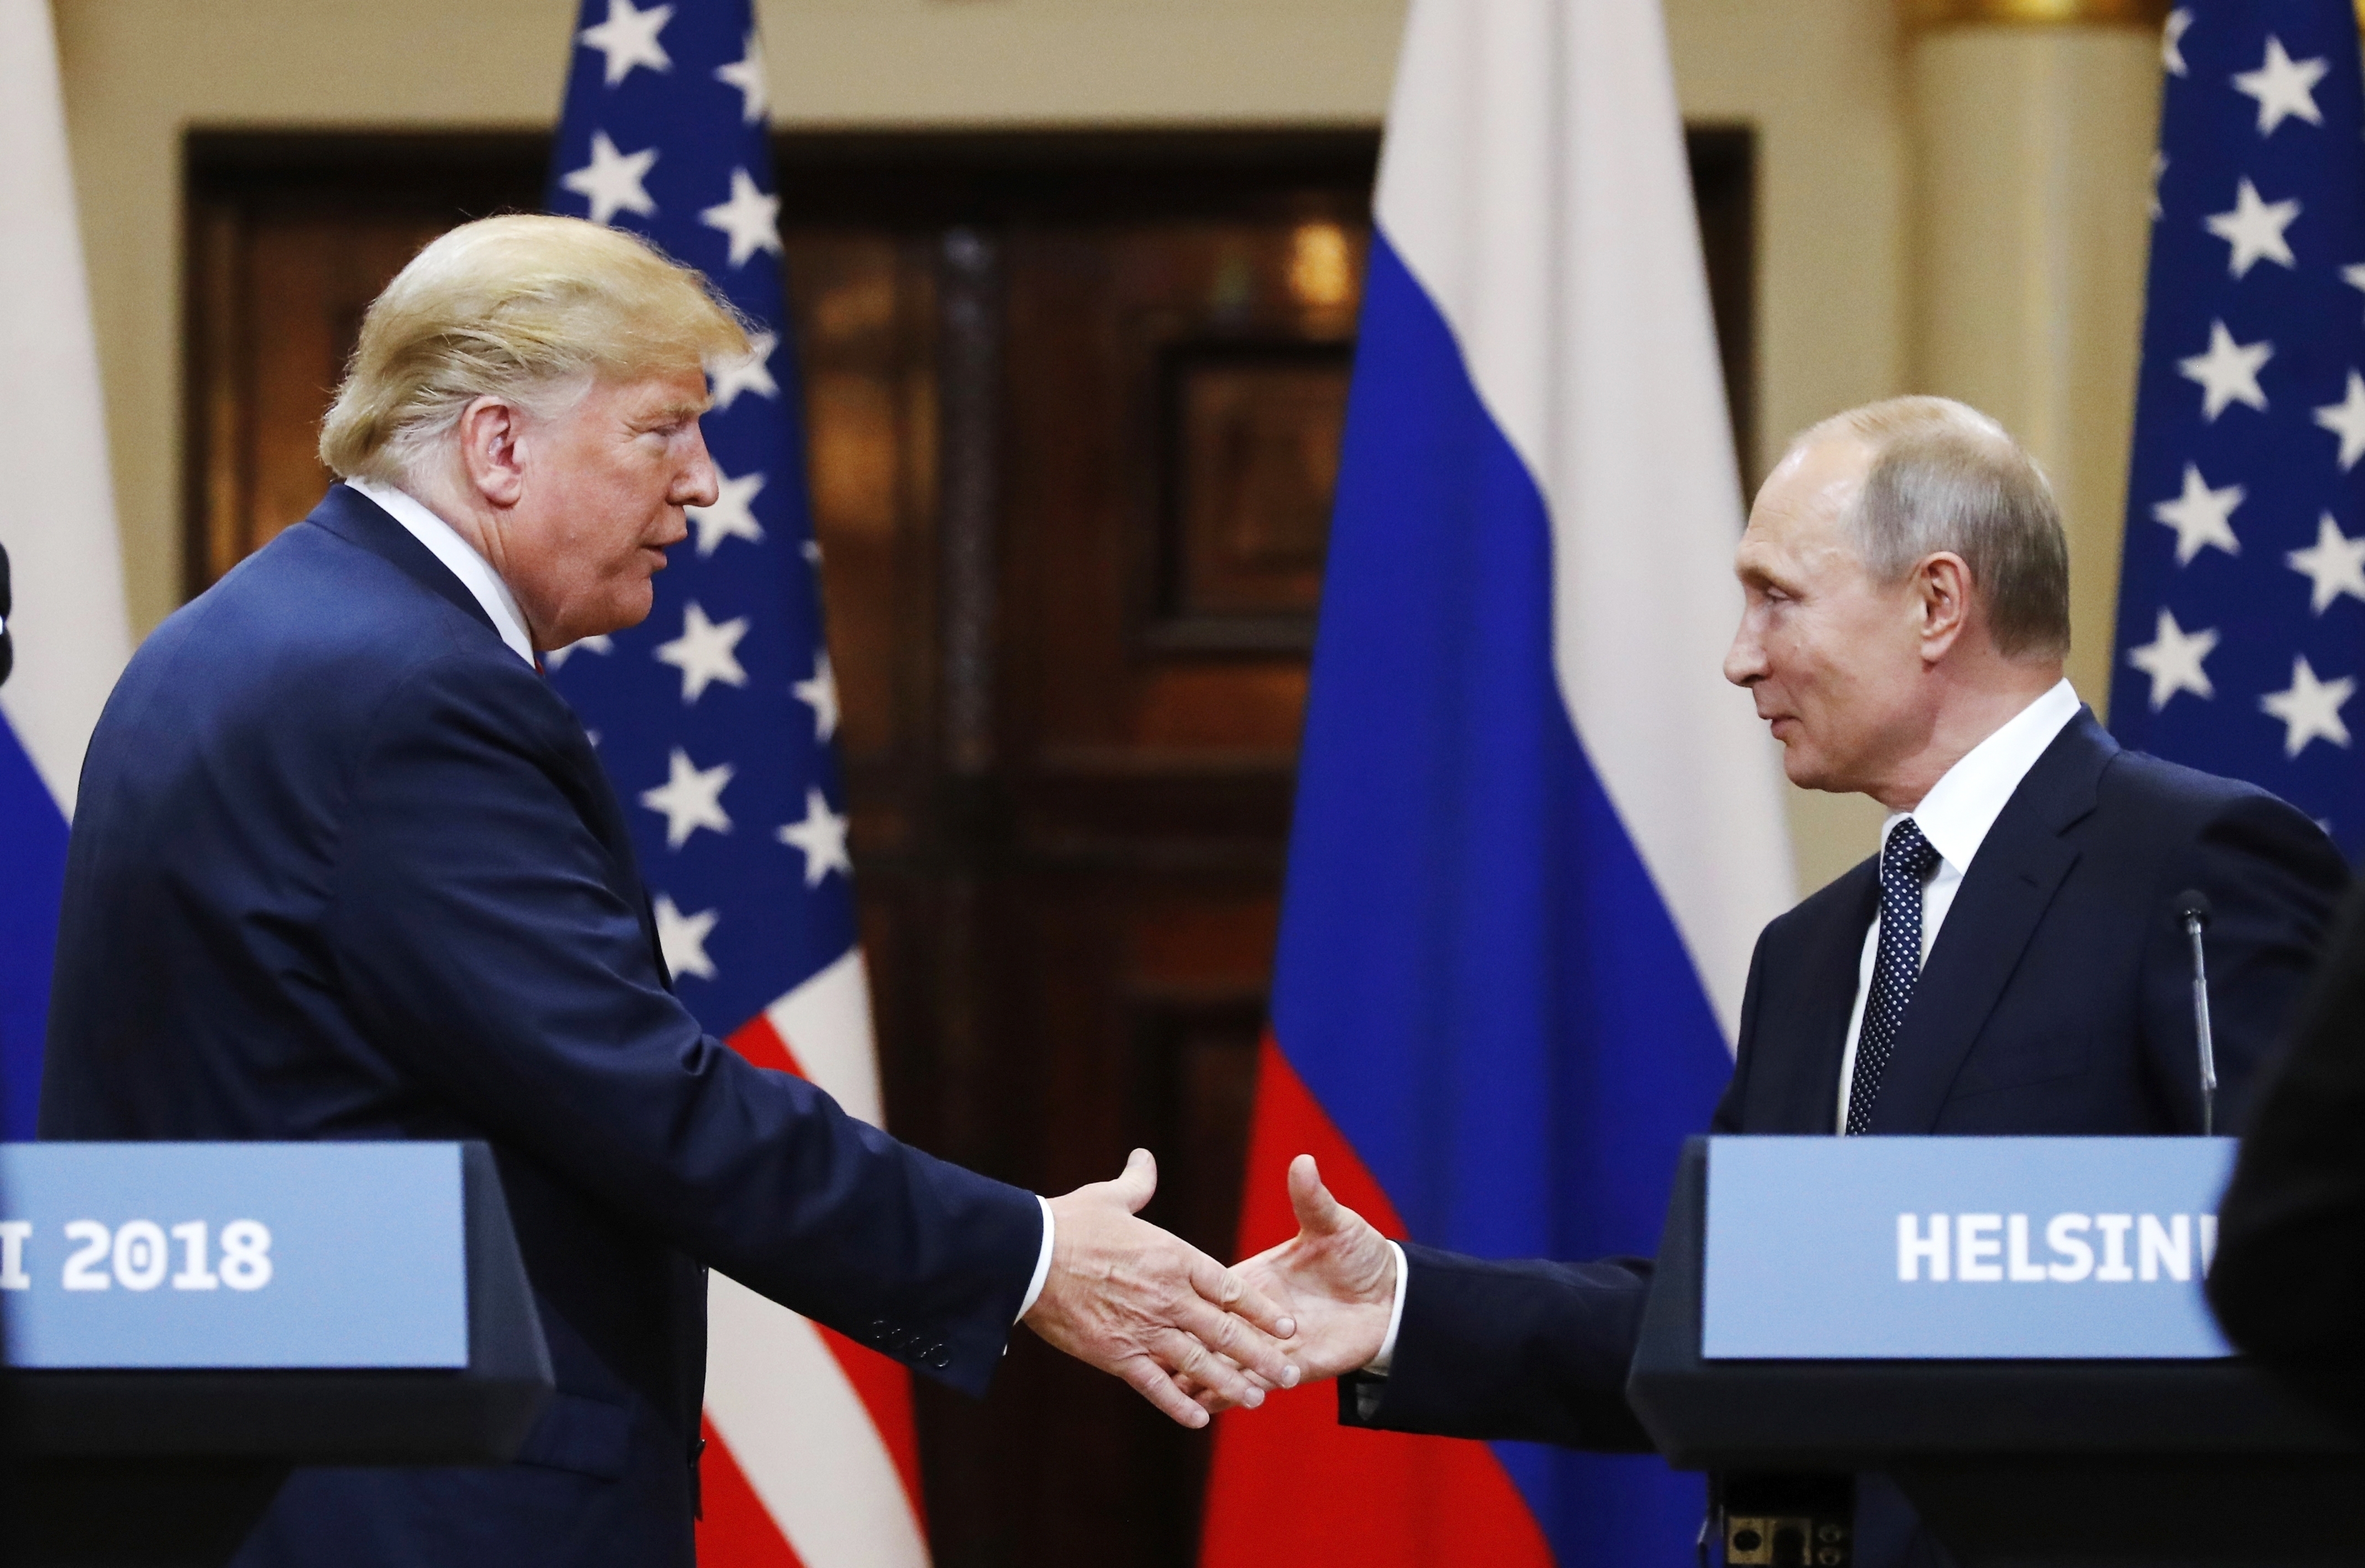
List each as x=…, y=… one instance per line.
x=490, y=431
x=1942, y=586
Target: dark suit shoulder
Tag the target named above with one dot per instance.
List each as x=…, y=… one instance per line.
x=316, y=626
x=1841, y=898
x=2139, y=781
x=311, y=596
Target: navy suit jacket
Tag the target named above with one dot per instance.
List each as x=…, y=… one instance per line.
x=344, y=866
x=2057, y=999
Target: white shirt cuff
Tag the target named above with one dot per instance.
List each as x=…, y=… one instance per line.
x=1043, y=1267
x=1378, y=1365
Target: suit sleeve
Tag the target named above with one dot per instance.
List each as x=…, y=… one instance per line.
x=1726, y=1119
x=1533, y=1352
x=2288, y=1283
x=476, y=925
x=2273, y=880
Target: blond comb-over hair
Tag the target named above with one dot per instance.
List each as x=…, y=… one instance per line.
x=525, y=308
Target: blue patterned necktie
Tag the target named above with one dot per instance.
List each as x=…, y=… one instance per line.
x=1905, y=860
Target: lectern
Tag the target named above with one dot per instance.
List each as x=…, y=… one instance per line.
x=2012, y=1329
x=188, y=1322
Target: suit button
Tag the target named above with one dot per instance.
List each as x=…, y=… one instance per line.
x=941, y=1359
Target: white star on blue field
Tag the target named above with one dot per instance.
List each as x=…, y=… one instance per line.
x=2242, y=599
x=717, y=715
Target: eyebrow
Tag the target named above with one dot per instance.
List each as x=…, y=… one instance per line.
x=673, y=413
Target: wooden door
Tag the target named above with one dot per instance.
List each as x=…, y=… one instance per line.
x=1074, y=403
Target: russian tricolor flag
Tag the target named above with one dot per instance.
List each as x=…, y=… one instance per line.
x=56, y=521
x=1536, y=832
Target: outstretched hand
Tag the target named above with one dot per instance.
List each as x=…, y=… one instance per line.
x=1131, y=1299
x=1337, y=1276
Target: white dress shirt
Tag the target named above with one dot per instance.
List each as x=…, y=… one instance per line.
x=1955, y=817
x=476, y=575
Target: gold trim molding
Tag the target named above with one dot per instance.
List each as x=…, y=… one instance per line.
x=2037, y=13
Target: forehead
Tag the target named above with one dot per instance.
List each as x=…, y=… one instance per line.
x=657, y=394
x=1798, y=508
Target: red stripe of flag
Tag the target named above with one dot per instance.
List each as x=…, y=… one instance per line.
x=1288, y=1485
x=883, y=1384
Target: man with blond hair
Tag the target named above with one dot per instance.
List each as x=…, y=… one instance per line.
x=345, y=867
x=2011, y=961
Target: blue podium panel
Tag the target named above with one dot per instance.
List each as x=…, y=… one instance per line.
x=2029, y=1248
x=233, y=1255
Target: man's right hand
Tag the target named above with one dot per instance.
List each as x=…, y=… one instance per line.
x=1131, y=1299
x=1337, y=1276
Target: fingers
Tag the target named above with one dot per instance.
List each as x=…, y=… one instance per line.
x=1151, y=1380
x=1215, y=1329
x=1139, y=1182
x=1316, y=1210
x=1195, y=1366
x=1227, y=1290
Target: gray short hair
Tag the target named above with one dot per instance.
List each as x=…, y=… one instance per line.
x=1946, y=476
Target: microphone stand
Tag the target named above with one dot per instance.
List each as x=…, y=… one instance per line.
x=2194, y=907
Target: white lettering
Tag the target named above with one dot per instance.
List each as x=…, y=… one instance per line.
x=82, y=1269
x=194, y=1274
x=246, y=1255
x=2062, y=1236
x=2208, y=1243
x=14, y=1233
x=2169, y=1246
x=1912, y=1247
x=2017, y=1268
x=1976, y=1240
x=139, y=1255
x=2114, y=1228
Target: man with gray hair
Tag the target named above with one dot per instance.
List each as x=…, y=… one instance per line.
x=2010, y=962
x=345, y=867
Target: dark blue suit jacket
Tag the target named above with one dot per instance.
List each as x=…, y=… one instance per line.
x=344, y=866
x=2057, y=999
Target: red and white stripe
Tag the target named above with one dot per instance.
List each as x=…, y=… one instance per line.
x=813, y=1458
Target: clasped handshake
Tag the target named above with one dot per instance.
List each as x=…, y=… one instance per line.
x=1193, y=1337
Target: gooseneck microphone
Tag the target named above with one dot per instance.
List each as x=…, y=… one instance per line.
x=2193, y=908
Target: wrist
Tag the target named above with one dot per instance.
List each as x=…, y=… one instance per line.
x=1400, y=1279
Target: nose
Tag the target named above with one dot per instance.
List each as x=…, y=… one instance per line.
x=1744, y=661
x=696, y=485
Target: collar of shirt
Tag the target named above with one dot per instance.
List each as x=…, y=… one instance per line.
x=1956, y=814
x=476, y=574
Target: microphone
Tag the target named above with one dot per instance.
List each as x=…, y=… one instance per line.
x=7, y=605
x=2193, y=908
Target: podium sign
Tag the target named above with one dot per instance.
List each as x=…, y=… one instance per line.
x=255, y=1255
x=2022, y=1248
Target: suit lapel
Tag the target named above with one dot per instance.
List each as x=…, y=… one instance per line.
x=1829, y=964
x=2011, y=882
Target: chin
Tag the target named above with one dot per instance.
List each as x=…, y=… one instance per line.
x=629, y=608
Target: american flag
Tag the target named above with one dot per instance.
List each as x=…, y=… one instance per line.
x=716, y=719
x=2241, y=635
